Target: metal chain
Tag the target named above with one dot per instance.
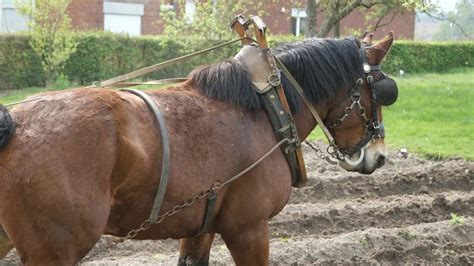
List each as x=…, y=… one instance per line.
x=214, y=189
x=160, y=218
x=355, y=98
x=322, y=154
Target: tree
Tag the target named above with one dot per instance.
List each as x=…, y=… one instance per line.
x=458, y=25
x=335, y=10
x=312, y=11
x=50, y=29
x=209, y=22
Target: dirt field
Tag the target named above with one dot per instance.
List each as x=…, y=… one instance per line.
x=401, y=213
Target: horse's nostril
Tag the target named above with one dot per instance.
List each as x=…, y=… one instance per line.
x=380, y=161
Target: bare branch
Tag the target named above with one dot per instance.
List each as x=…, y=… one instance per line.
x=449, y=20
x=378, y=25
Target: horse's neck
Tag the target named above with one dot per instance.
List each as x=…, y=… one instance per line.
x=305, y=121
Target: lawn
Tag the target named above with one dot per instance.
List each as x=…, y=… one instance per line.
x=434, y=114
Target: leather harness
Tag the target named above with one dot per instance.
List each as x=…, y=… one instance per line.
x=277, y=109
x=265, y=70
x=266, y=77
x=270, y=91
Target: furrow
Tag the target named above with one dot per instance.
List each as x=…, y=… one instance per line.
x=439, y=242
x=434, y=178
x=342, y=216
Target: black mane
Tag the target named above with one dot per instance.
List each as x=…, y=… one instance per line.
x=321, y=66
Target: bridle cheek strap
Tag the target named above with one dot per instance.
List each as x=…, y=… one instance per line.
x=374, y=130
x=332, y=143
x=310, y=106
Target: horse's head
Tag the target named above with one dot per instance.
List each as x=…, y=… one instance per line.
x=354, y=117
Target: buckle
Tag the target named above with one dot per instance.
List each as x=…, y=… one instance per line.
x=274, y=79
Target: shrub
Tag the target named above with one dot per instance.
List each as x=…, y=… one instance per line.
x=20, y=66
x=51, y=37
x=417, y=57
x=100, y=56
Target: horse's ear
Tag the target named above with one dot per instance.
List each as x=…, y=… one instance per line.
x=380, y=49
x=367, y=38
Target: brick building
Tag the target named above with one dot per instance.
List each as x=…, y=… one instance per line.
x=285, y=19
x=140, y=17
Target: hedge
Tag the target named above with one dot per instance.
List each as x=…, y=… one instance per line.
x=418, y=57
x=104, y=55
x=19, y=64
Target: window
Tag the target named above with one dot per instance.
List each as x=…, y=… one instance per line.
x=123, y=17
x=298, y=21
x=189, y=10
x=10, y=19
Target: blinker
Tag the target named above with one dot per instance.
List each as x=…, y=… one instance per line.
x=386, y=91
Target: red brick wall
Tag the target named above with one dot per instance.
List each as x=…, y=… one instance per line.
x=150, y=25
x=279, y=21
x=87, y=14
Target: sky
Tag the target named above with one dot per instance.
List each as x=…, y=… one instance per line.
x=446, y=5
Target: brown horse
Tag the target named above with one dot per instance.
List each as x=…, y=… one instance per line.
x=81, y=162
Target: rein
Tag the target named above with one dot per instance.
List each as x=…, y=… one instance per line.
x=115, y=81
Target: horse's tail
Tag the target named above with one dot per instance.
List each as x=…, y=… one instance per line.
x=7, y=126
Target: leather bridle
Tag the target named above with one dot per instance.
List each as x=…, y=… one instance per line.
x=373, y=128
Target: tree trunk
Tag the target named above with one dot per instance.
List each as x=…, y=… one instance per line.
x=337, y=27
x=311, y=25
x=332, y=18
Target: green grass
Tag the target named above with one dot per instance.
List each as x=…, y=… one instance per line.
x=456, y=219
x=434, y=115
x=11, y=96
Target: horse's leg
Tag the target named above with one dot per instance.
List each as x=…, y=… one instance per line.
x=195, y=250
x=248, y=245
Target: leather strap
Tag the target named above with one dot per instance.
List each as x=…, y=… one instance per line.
x=152, y=82
x=165, y=161
x=284, y=127
x=162, y=65
x=305, y=99
x=302, y=176
x=208, y=214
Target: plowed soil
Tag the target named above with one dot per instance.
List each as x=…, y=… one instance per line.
x=400, y=214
